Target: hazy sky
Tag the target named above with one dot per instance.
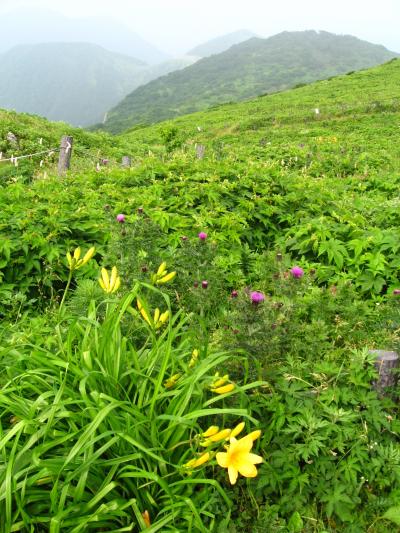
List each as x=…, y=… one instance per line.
x=177, y=25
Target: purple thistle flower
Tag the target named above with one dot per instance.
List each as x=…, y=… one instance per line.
x=396, y=292
x=297, y=272
x=202, y=236
x=120, y=218
x=257, y=297
x=234, y=294
x=204, y=284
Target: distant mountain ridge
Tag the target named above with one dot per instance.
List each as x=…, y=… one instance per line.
x=72, y=82
x=36, y=26
x=256, y=66
x=220, y=44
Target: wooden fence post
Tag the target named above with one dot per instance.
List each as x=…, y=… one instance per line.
x=386, y=363
x=64, y=159
x=126, y=161
x=200, y=151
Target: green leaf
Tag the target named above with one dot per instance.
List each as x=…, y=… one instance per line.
x=393, y=514
x=295, y=523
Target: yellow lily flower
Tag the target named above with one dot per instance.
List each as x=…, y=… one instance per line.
x=110, y=284
x=238, y=459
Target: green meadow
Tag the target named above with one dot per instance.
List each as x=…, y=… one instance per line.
x=185, y=344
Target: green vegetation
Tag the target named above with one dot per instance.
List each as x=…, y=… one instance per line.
x=255, y=67
x=111, y=392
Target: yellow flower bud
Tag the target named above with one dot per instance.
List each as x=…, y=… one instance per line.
x=254, y=435
x=161, y=269
x=221, y=381
x=194, y=463
x=171, y=382
x=164, y=317
x=156, y=315
x=166, y=278
x=224, y=389
x=69, y=259
x=89, y=254
x=238, y=429
x=212, y=430
x=195, y=355
x=221, y=435
x=107, y=283
x=143, y=312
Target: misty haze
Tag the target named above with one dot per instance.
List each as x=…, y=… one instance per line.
x=199, y=266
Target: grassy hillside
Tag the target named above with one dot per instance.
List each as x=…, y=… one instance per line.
x=118, y=398
x=75, y=83
x=251, y=68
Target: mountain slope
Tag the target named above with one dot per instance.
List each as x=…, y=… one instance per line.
x=220, y=44
x=73, y=82
x=248, y=69
x=35, y=26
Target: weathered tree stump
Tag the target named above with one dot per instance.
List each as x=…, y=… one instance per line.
x=386, y=364
x=126, y=161
x=64, y=159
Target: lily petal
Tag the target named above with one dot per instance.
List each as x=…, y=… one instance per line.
x=233, y=474
x=222, y=459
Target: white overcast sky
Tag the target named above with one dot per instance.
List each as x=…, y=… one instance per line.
x=175, y=26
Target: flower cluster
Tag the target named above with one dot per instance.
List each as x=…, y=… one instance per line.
x=75, y=262
x=221, y=385
x=237, y=457
x=110, y=284
x=158, y=319
x=162, y=276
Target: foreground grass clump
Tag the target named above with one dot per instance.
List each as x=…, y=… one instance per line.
x=96, y=432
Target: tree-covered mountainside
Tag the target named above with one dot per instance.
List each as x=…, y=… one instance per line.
x=36, y=26
x=254, y=67
x=220, y=44
x=72, y=82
